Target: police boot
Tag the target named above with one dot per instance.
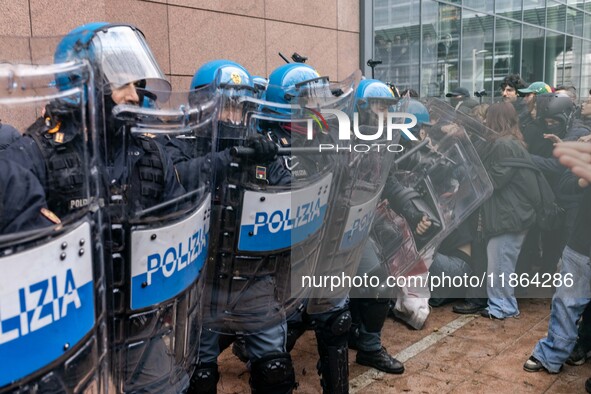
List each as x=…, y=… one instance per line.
x=239, y=349
x=225, y=341
x=294, y=331
x=353, y=336
x=204, y=379
x=355, y=323
x=380, y=360
x=272, y=374
x=372, y=313
x=333, y=365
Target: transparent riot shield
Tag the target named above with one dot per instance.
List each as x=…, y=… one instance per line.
x=443, y=113
x=160, y=217
x=248, y=266
x=271, y=214
x=396, y=243
x=53, y=335
x=450, y=182
x=365, y=161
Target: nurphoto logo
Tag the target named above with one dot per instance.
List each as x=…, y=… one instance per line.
x=345, y=132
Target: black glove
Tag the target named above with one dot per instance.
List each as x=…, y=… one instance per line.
x=265, y=150
x=412, y=215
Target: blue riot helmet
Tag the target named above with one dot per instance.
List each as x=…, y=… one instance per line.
x=260, y=84
x=421, y=112
x=292, y=87
x=373, y=97
x=298, y=91
x=299, y=80
x=119, y=54
x=372, y=88
x=235, y=83
x=284, y=78
x=125, y=70
x=224, y=73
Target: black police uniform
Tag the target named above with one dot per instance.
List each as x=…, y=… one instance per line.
x=332, y=326
x=8, y=134
x=23, y=206
x=271, y=368
x=52, y=148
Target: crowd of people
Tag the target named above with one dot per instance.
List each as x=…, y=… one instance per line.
x=542, y=133
x=139, y=165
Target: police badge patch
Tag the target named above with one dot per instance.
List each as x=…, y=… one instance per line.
x=236, y=78
x=261, y=173
x=59, y=138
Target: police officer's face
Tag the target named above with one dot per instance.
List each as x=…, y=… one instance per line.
x=509, y=93
x=126, y=94
x=379, y=108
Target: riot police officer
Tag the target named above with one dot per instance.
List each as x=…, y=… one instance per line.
x=137, y=175
x=249, y=277
x=369, y=306
x=300, y=84
x=51, y=147
x=66, y=259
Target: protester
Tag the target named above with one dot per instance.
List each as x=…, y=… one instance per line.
x=510, y=211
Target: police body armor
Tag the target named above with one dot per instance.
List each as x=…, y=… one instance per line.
x=53, y=335
x=65, y=169
x=444, y=179
x=269, y=219
x=159, y=242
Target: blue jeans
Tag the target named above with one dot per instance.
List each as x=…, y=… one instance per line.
x=567, y=305
x=502, y=251
x=450, y=266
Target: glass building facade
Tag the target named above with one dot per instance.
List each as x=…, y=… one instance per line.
x=434, y=46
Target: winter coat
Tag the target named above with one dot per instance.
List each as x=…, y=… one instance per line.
x=516, y=192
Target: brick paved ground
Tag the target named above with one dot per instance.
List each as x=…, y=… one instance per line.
x=480, y=356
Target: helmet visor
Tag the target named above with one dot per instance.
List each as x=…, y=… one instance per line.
x=126, y=58
x=310, y=92
x=236, y=102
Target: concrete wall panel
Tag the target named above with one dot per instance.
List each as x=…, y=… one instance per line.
x=14, y=18
x=58, y=17
x=243, y=7
x=348, y=54
x=319, y=45
x=200, y=36
x=150, y=18
x=306, y=12
x=348, y=15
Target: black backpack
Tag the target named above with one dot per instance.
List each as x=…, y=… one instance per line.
x=549, y=215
